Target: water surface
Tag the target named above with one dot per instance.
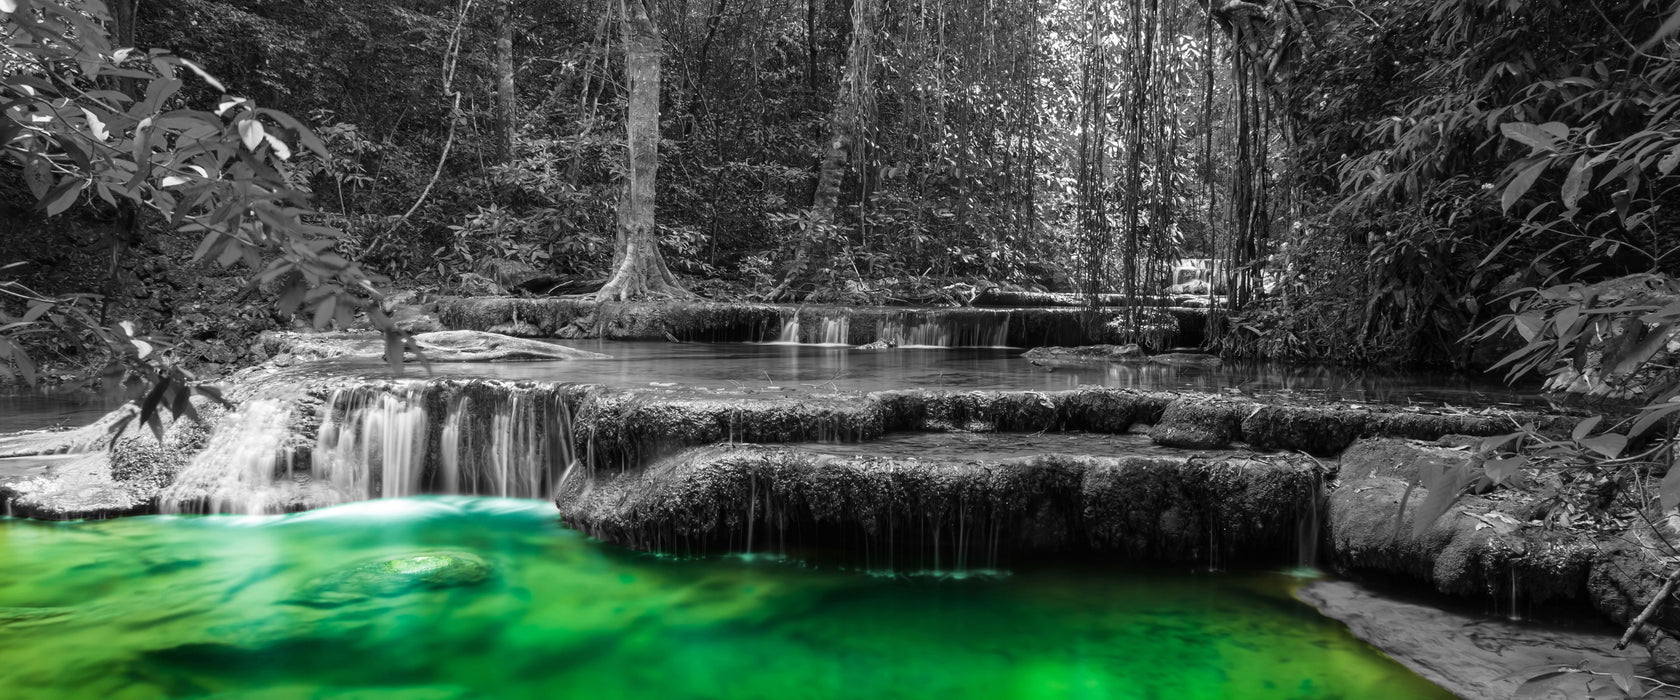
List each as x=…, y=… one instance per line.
x=816, y=368
x=222, y=606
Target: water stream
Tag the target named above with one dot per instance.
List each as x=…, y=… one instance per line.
x=775, y=367
x=352, y=600
x=282, y=607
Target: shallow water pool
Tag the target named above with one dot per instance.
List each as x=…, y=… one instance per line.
x=775, y=367
x=279, y=607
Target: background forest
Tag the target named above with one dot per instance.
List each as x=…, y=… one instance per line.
x=1376, y=176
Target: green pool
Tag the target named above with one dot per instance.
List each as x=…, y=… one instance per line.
x=455, y=597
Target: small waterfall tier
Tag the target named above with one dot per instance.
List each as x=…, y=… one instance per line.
x=939, y=329
x=389, y=442
x=923, y=328
x=829, y=327
x=383, y=440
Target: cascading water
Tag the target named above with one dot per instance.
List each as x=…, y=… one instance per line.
x=836, y=330
x=246, y=467
x=834, y=327
x=790, y=330
x=372, y=444
x=383, y=441
x=378, y=442
x=937, y=329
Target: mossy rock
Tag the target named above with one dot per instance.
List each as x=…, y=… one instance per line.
x=1199, y=423
x=394, y=576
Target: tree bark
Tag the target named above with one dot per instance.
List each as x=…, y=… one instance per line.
x=639, y=269
x=507, y=113
x=845, y=119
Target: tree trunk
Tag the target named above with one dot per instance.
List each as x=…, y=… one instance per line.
x=639, y=269
x=845, y=119
x=506, y=100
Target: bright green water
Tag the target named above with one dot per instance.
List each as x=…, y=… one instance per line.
x=191, y=607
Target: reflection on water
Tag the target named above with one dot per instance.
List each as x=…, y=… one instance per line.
x=43, y=409
x=844, y=369
x=807, y=368
x=285, y=607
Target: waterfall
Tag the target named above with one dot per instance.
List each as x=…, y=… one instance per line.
x=834, y=327
x=372, y=444
x=836, y=330
x=246, y=467
x=383, y=440
x=940, y=329
x=509, y=441
x=790, y=330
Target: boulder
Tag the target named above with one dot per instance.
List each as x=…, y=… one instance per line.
x=922, y=512
x=393, y=576
x=1319, y=430
x=1199, y=423
x=1479, y=547
x=77, y=489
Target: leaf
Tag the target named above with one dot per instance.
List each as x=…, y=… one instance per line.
x=395, y=340
x=1499, y=470
x=1621, y=671
x=25, y=365
x=1521, y=183
x=1635, y=355
x=1609, y=444
x=1529, y=325
x=212, y=393
x=1669, y=161
x=37, y=174
x=324, y=311
x=280, y=147
x=1574, y=185
x=1537, y=137
x=203, y=74
x=96, y=126
x=1668, y=27
x=1651, y=415
x=251, y=134
x=1541, y=684
x=1585, y=427
x=1669, y=490
x=1444, y=484
x=63, y=196
x=149, y=407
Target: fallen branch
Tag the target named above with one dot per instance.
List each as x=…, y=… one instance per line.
x=1650, y=609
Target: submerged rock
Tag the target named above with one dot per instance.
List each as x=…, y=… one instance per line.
x=440, y=346
x=1086, y=353
x=1185, y=359
x=1474, y=656
x=394, y=576
x=30, y=617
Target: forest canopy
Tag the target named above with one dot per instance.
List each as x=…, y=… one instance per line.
x=1371, y=178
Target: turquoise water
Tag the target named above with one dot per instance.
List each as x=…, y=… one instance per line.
x=456, y=597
